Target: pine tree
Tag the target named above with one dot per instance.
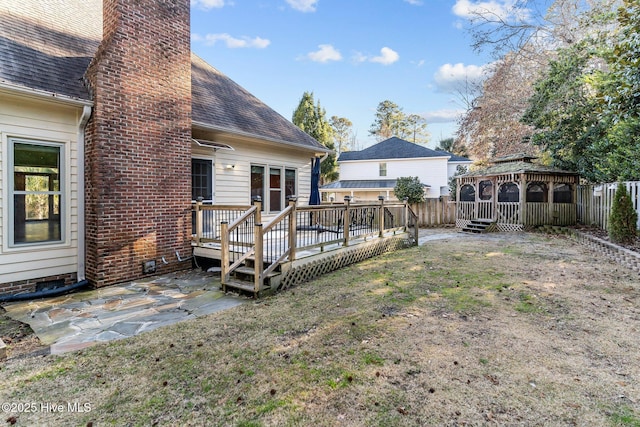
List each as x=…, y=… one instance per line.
x=623, y=217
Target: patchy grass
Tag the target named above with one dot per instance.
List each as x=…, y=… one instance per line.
x=495, y=329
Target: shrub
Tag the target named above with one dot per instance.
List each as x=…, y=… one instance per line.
x=411, y=188
x=623, y=217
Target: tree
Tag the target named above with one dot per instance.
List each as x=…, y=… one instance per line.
x=342, y=133
x=451, y=145
x=311, y=118
x=565, y=112
x=410, y=188
x=392, y=121
x=623, y=217
x=453, y=182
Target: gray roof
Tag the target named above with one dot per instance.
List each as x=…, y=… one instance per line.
x=47, y=45
x=517, y=167
x=392, y=148
x=455, y=158
x=353, y=184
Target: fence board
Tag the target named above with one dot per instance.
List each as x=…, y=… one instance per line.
x=434, y=212
x=594, y=202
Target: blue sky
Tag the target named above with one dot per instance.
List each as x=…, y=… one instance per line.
x=352, y=54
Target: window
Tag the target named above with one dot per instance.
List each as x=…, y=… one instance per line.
x=562, y=193
x=275, y=189
x=508, y=192
x=537, y=192
x=279, y=185
x=36, y=192
x=202, y=180
x=383, y=169
x=467, y=193
x=486, y=190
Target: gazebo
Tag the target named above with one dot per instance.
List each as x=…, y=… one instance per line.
x=515, y=194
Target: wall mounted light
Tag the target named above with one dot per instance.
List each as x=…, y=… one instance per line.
x=229, y=167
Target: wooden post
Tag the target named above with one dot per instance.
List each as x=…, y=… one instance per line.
x=224, y=254
x=257, y=202
x=381, y=216
x=346, y=220
x=406, y=213
x=259, y=260
x=550, y=202
x=293, y=237
x=523, y=199
x=198, y=220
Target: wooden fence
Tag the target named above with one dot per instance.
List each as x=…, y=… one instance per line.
x=594, y=202
x=433, y=212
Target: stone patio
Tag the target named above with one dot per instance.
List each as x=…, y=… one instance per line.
x=74, y=321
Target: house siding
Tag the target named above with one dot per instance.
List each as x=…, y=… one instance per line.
x=34, y=119
x=432, y=172
x=232, y=186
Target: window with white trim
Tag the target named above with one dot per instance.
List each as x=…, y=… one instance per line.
x=278, y=185
x=36, y=192
x=383, y=169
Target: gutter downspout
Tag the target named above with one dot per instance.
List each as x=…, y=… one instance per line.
x=84, y=118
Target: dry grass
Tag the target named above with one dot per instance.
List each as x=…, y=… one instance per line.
x=492, y=330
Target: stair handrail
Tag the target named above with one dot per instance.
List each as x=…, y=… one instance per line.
x=226, y=230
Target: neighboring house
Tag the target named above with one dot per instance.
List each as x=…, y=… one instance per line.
x=372, y=172
x=109, y=128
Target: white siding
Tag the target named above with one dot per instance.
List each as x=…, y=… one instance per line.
x=233, y=186
x=47, y=121
x=430, y=171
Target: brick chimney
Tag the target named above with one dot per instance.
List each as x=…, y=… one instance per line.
x=138, y=153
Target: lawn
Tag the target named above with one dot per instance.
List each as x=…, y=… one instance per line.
x=499, y=329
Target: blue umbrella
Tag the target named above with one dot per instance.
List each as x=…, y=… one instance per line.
x=314, y=197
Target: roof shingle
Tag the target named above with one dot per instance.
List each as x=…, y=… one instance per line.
x=393, y=148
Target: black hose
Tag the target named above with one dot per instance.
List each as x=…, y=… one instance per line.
x=44, y=294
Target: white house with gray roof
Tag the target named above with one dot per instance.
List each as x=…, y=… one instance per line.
x=372, y=172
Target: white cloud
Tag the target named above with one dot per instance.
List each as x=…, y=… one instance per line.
x=414, y=2
x=452, y=78
x=442, y=116
x=387, y=56
x=232, y=42
x=326, y=53
x=303, y=5
x=505, y=10
x=207, y=4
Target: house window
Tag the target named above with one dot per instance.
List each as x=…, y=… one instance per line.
x=289, y=183
x=278, y=185
x=36, y=192
x=383, y=169
x=275, y=189
x=202, y=180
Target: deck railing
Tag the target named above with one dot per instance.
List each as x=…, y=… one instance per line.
x=298, y=229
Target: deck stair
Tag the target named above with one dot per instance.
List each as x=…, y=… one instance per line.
x=478, y=226
x=243, y=279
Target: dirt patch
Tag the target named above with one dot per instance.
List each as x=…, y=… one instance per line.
x=500, y=329
x=18, y=337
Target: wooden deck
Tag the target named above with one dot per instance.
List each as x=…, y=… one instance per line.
x=256, y=257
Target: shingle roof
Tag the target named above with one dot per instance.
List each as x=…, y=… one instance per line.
x=455, y=158
x=353, y=184
x=219, y=101
x=48, y=45
x=392, y=148
x=517, y=167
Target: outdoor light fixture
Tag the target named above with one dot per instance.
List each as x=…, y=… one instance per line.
x=229, y=167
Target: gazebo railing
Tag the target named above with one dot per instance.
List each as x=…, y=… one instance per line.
x=508, y=213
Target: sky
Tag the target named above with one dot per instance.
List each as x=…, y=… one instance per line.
x=351, y=54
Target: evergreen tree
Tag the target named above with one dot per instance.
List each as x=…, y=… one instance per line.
x=312, y=119
x=411, y=188
x=623, y=218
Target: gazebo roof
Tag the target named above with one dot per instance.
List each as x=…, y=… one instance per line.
x=516, y=163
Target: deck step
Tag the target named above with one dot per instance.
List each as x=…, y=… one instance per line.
x=477, y=226
x=242, y=285
x=249, y=271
